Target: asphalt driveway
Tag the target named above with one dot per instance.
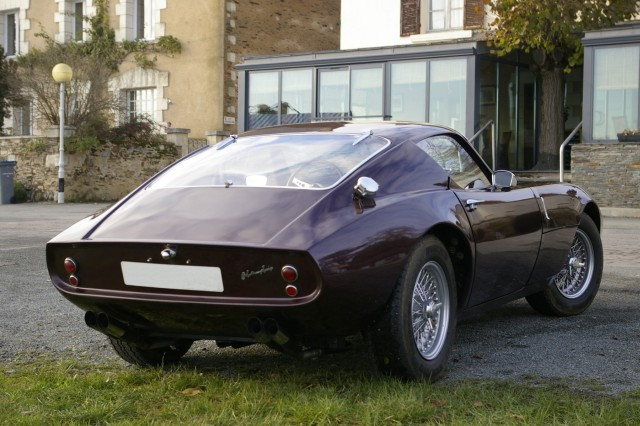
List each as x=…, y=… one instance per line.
x=512, y=342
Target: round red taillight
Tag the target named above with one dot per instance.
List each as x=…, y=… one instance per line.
x=70, y=265
x=289, y=273
x=291, y=290
x=73, y=280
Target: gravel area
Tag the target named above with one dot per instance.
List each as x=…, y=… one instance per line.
x=602, y=346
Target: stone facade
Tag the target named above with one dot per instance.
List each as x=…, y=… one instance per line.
x=609, y=172
x=105, y=174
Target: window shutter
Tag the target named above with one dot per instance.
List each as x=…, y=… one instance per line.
x=473, y=14
x=409, y=17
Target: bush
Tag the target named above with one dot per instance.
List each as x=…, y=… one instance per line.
x=141, y=131
x=81, y=144
x=19, y=192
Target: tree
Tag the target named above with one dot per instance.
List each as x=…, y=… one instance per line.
x=8, y=96
x=551, y=30
x=88, y=101
x=4, y=88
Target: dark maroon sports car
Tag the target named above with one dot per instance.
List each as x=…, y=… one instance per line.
x=300, y=236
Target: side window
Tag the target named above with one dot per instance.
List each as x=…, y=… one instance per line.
x=457, y=162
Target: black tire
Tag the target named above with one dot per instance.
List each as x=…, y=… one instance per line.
x=577, y=284
x=165, y=355
x=395, y=349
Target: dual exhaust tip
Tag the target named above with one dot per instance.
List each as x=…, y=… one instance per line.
x=105, y=324
x=267, y=331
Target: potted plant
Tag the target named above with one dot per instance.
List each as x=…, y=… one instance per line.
x=629, y=135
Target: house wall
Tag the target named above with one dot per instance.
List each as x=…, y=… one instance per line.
x=609, y=172
x=42, y=19
x=264, y=27
x=378, y=23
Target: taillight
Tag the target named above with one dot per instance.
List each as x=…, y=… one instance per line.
x=73, y=280
x=289, y=273
x=70, y=265
x=291, y=290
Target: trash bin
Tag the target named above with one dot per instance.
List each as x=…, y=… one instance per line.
x=6, y=181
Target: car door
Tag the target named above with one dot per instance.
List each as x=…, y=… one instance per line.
x=506, y=224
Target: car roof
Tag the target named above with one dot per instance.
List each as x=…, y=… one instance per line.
x=396, y=132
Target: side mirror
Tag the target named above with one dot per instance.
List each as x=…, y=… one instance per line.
x=504, y=179
x=364, y=193
x=366, y=187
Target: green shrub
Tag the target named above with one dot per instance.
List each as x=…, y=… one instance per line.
x=19, y=192
x=81, y=144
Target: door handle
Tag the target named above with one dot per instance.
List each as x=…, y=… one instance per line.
x=471, y=204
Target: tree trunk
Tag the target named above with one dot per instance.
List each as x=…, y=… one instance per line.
x=551, y=119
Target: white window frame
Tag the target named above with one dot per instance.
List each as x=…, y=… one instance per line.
x=127, y=13
x=74, y=23
x=67, y=19
x=140, y=103
x=5, y=33
x=427, y=12
x=144, y=7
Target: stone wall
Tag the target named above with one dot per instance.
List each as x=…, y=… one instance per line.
x=609, y=172
x=106, y=173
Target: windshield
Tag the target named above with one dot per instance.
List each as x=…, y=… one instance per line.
x=309, y=160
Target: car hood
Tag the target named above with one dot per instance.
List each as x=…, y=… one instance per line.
x=234, y=215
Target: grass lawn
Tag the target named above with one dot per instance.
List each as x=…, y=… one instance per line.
x=336, y=390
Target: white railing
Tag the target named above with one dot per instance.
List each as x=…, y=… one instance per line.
x=493, y=140
x=566, y=141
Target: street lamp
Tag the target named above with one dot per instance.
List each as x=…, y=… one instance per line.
x=61, y=74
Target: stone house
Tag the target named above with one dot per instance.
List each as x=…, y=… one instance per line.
x=197, y=89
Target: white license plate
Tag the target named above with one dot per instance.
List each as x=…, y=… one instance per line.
x=175, y=277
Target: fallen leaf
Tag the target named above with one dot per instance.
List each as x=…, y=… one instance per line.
x=516, y=416
x=191, y=391
x=478, y=404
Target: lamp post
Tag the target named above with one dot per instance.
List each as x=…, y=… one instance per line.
x=62, y=74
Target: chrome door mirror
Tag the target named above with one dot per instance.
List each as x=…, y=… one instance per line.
x=504, y=179
x=366, y=187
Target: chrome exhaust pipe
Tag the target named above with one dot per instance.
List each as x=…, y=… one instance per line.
x=255, y=327
x=272, y=328
x=111, y=326
x=91, y=319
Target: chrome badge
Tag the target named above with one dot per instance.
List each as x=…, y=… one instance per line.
x=248, y=274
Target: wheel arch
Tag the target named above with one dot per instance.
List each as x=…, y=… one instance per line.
x=460, y=253
x=592, y=210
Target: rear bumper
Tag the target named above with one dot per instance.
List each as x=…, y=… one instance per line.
x=194, y=317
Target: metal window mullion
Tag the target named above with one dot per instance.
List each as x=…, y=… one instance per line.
x=638, y=108
x=428, y=91
x=386, y=92
x=314, y=92
x=279, y=106
x=349, y=114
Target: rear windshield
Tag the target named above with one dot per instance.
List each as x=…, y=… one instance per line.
x=310, y=161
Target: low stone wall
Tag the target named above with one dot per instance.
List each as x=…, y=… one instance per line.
x=106, y=173
x=609, y=172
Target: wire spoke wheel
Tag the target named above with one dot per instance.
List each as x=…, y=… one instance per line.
x=430, y=310
x=574, y=287
x=575, y=276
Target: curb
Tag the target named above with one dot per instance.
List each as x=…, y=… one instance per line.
x=620, y=212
